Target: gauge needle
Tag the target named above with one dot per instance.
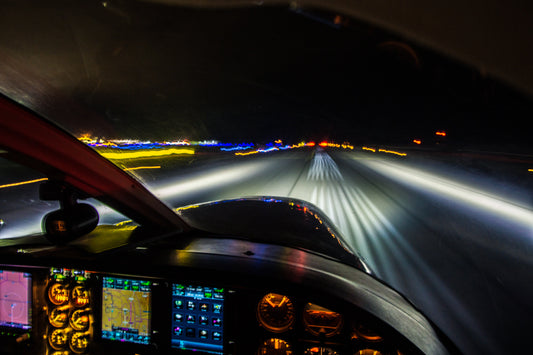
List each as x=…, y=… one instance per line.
x=270, y=303
x=282, y=301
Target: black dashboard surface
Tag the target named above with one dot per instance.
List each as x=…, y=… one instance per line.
x=220, y=296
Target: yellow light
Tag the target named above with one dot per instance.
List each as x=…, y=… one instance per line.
x=417, y=141
x=392, y=152
x=147, y=153
x=369, y=149
x=143, y=167
x=22, y=183
x=247, y=153
x=441, y=133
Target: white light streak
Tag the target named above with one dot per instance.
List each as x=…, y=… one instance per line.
x=210, y=180
x=447, y=188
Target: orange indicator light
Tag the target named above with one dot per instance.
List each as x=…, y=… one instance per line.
x=441, y=133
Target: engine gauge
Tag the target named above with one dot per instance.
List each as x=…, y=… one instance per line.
x=321, y=321
x=80, y=296
x=275, y=312
x=79, y=342
x=368, y=352
x=58, y=293
x=58, y=339
x=79, y=320
x=365, y=333
x=275, y=347
x=58, y=317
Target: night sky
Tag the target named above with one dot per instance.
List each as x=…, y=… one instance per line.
x=155, y=72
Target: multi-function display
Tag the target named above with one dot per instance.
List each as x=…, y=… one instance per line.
x=197, y=318
x=15, y=299
x=126, y=310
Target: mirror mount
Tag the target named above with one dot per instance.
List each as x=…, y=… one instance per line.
x=72, y=219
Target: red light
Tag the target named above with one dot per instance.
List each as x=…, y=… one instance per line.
x=417, y=141
x=311, y=144
x=323, y=144
x=441, y=133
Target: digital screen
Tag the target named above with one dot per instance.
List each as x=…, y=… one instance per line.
x=15, y=299
x=197, y=318
x=126, y=310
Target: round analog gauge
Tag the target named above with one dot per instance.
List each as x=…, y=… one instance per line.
x=58, y=317
x=58, y=339
x=321, y=321
x=58, y=293
x=275, y=347
x=365, y=333
x=275, y=312
x=80, y=296
x=78, y=342
x=79, y=320
x=368, y=352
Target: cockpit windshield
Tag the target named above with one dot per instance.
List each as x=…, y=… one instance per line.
x=422, y=162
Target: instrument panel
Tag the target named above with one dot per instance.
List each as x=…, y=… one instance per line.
x=63, y=311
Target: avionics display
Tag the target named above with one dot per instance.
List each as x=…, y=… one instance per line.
x=15, y=299
x=126, y=310
x=197, y=318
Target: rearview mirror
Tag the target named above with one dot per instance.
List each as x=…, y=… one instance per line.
x=64, y=225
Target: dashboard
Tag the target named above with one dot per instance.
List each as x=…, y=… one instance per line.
x=187, y=301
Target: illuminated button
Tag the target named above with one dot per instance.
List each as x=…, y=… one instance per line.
x=204, y=320
x=217, y=336
x=191, y=318
x=217, y=322
x=178, y=304
x=178, y=331
x=178, y=317
x=203, y=334
x=217, y=308
x=191, y=305
x=204, y=307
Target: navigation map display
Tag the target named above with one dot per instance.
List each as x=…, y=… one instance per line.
x=197, y=318
x=15, y=299
x=126, y=310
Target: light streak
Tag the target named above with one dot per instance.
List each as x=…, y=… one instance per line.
x=239, y=147
x=212, y=180
x=441, y=133
x=143, y=167
x=369, y=149
x=22, y=183
x=392, y=152
x=147, y=153
x=247, y=153
x=417, y=141
x=456, y=191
